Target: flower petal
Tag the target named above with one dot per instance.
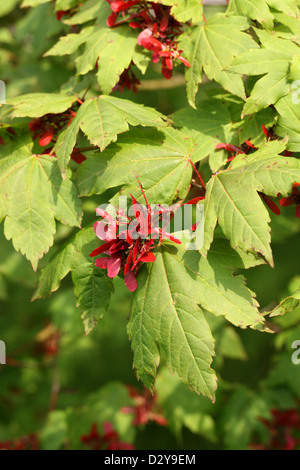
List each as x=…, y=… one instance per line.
x=130, y=281
x=287, y=201
x=148, y=258
x=114, y=266
x=102, y=263
x=102, y=248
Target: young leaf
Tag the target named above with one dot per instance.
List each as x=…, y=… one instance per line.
x=287, y=305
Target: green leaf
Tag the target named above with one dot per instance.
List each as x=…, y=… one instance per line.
x=160, y=160
x=272, y=176
x=255, y=9
x=8, y=6
x=34, y=195
x=275, y=68
x=185, y=10
x=289, y=7
x=191, y=43
x=241, y=416
x=33, y=3
x=177, y=325
x=212, y=47
x=228, y=204
x=90, y=10
x=65, y=5
x=102, y=119
x=113, y=49
x=54, y=433
x=165, y=315
x=288, y=27
x=285, y=372
x=288, y=123
x=228, y=194
x=183, y=408
x=231, y=259
x=70, y=43
x=38, y=104
x=287, y=305
x=250, y=128
x=209, y=125
x=91, y=285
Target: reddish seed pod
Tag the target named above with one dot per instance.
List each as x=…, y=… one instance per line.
x=46, y=137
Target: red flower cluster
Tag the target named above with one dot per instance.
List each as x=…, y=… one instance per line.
x=270, y=135
x=129, y=241
x=109, y=440
x=47, y=341
x=234, y=150
x=284, y=428
x=145, y=408
x=128, y=80
x=159, y=29
x=47, y=127
x=293, y=199
x=30, y=442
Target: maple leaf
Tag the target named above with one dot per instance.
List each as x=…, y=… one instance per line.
x=229, y=192
x=159, y=159
x=102, y=119
x=166, y=315
x=275, y=69
x=33, y=194
x=211, y=48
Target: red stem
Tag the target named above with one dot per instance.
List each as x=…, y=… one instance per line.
x=198, y=175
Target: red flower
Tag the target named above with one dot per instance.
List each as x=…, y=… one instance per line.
x=271, y=204
x=159, y=30
x=127, y=80
x=47, y=127
x=109, y=440
x=145, y=408
x=47, y=136
x=283, y=428
x=30, y=442
x=129, y=241
x=60, y=14
x=293, y=199
x=234, y=150
x=77, y=156
x=118, y=6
